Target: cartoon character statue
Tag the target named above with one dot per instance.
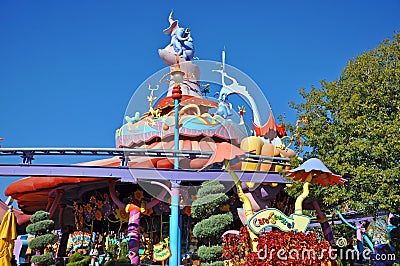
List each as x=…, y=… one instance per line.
x=181, y=40
x=224, y=107
x=180, y=51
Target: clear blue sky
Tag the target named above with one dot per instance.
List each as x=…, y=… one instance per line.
x=68, y=68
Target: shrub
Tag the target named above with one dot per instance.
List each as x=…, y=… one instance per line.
x=213, y=221
x=300, y=249
x=44, y=259
x=41, y=227
x=208, y=205
x=210, y=253
x=213, y=227
x=77, y=259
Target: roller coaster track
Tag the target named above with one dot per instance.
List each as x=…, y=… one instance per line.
x=128, y=174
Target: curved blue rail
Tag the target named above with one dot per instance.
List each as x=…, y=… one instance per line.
x=366, y=238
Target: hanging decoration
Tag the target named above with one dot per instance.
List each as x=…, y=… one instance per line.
x=97, y=209
x=138, y=194
x=121, y=215
x=78, y=213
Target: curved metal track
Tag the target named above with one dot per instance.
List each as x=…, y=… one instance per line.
x=126, y=174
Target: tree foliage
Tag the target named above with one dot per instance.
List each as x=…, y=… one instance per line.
x=41, y=227
x=213, y=227
x=210, y=197
x=44, y=259
x=353, y=127
x=210, y=253
x=207, y=209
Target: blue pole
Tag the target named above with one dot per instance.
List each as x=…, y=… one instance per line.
x=174, y=230
x=174, y=226
x=179, y=236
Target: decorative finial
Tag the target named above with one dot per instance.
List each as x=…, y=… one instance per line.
x=150, y=99
x=242, y=111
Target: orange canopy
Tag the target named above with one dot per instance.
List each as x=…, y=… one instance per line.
x=32, y=192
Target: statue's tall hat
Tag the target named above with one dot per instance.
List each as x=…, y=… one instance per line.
x=173, y=24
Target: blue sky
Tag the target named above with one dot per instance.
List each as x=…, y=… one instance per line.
x=69, y=68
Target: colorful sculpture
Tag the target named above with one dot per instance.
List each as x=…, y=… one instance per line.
x=134, y=220
x=181, y=45
x=224, y=108
x=181, y=40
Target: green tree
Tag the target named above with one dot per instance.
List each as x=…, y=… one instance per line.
x=213, y=221
x=41, y=227
x=353, y=127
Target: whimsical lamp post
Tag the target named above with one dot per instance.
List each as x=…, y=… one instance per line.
x=177, y=77
x=175, y=231
x=315, y=172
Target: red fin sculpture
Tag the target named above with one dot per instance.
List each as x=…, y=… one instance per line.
x=269, y=130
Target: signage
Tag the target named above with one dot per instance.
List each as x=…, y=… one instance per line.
x=271, y=217
x=80, y=239
x=161, y=252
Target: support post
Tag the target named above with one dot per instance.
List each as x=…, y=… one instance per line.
x=174, y=232
x=174, y=229
x=59, y=193
x=124, y=161
x=27, y=158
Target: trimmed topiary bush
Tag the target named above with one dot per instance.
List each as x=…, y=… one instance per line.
x=44, y=259
x=41, y=227
x=77, y=259
x=218, y=224
x=213, y=221
x=210, y=253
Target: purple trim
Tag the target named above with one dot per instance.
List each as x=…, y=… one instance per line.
x=132, y=175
